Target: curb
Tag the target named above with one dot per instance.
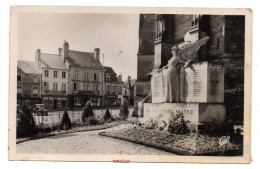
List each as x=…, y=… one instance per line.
x=66, y=132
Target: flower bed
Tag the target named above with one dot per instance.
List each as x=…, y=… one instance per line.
x=193, y=144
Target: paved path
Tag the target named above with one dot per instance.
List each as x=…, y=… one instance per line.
x=85, y=143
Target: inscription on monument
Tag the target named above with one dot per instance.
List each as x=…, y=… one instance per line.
x=163, y=111
x=202, y=82
x=164, y=85
x=214, y=82
x=197, y=83
x=185, y=90
x=157, y=84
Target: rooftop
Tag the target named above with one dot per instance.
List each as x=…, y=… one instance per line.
x=111, y=72
x=52, y=61
x=28, y=67
x=83, y=59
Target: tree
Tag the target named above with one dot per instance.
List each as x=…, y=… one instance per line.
x=65, y=121
x=87, y=112
x=124, y=109
x=25, y=125
x=107, y=114
x=131, y=88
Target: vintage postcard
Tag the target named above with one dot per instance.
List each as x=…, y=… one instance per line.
x=130, y=84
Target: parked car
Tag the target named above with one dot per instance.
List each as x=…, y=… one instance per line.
x=39, y=110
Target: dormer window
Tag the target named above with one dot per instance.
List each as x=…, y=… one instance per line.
x=76, y=75
x=108, y=78
x=95, y=77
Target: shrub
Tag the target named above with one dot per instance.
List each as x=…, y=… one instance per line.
x=151, y=124
x=124, y=112
x=134, y=114
x=116, y=118
x=100, y=119
x=43, y=128
x=76, y=123
x=177, y=124
x=234, y=102
x=25, y=125
x=55, y=126
x=65, y=121
x=87, y=112
x=107, y=114
x=91, y=121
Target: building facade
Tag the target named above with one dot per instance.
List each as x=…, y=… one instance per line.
x=85, y=78
x=145, y=55
x=113, y=88
x=28, y=83
x=226, y=43
x=54, y=80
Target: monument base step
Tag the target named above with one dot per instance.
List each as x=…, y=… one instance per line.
x=196, y=113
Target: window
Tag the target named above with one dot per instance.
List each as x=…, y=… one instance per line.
x=108, y=88
x=55, y=74
x=63, y=75
x=55, y=86
x=19, y=78
x=75, y=86
x=35, y=91
x=114, y=89
x=195, y=20
x=19, y=89
x=86, y=86
x=95, y=87
x=95, y=77
x=108, y=78
x=86, y=75
x=46, y=73
x=46, y=86
x=76, y=75
x=119, y=90
x=63, y=86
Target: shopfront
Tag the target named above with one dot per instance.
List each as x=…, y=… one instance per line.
x=55, y=102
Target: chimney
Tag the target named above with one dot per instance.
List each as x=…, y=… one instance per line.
x=66, y=51
x=96, y=53
x=60, y=51
x=38, y=55
x=119, y=78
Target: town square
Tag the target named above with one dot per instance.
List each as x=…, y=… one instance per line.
x=130, y=84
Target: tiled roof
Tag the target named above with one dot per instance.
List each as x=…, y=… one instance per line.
x=83, y=59
x=111, y=72
x=28, y=67
x=52, y=61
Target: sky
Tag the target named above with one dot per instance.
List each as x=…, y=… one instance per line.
x=115, y=34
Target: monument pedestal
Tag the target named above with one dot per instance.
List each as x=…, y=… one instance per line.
x=203, y=83
x=196, y=113
x=201, y=96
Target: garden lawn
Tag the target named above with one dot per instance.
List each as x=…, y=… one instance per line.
x=192, y=144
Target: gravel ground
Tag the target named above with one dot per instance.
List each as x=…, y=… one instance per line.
x=85, y=143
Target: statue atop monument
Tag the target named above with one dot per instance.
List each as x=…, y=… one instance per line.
x=182, y=56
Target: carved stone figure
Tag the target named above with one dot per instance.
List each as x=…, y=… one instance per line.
x=182, y=57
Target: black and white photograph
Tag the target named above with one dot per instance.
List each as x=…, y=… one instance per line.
x=130, y=85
